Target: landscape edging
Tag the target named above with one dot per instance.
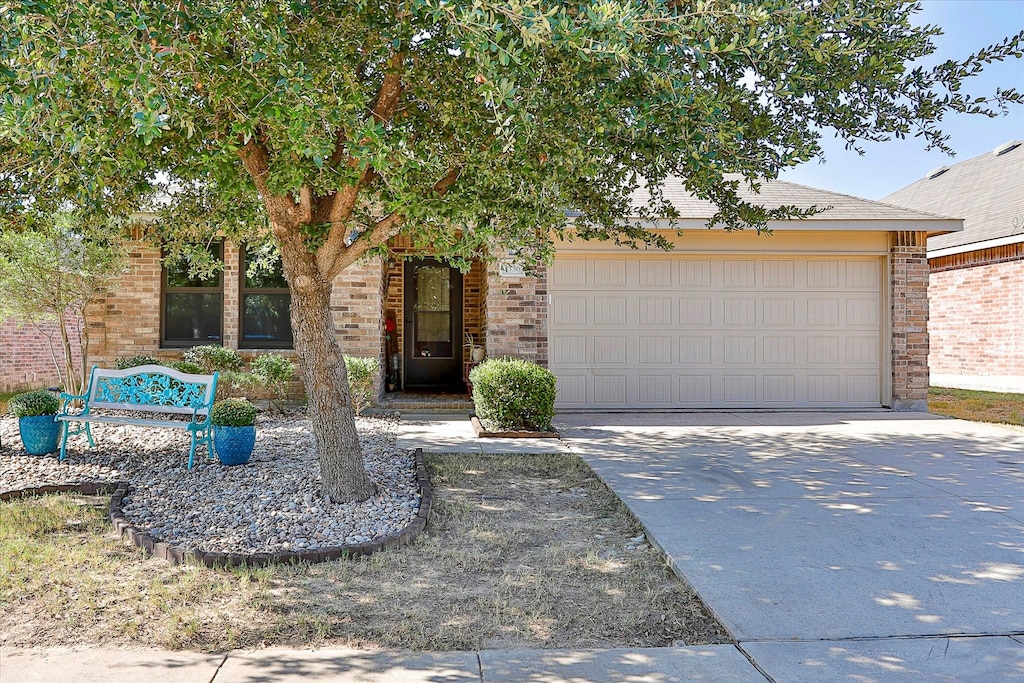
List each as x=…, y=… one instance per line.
x=482, y=432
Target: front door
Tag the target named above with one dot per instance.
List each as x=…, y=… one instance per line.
x=433, y=325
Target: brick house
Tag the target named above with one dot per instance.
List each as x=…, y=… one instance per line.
x=976, y=285
x=826, y=312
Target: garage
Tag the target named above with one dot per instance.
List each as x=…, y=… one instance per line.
x=711, y=330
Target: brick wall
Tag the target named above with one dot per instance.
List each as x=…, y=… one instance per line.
x=977, y=318
x=517, y=316
x=128, y=320
x=909, y=295
x=26, y=361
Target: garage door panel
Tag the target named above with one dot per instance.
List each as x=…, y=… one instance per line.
x=716, y=331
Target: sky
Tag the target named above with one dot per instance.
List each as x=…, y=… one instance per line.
x=967, y=26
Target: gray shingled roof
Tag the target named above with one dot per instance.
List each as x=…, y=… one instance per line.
x=775, y=193
x=986, y=191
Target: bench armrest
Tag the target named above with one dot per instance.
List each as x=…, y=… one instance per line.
x=67, y=398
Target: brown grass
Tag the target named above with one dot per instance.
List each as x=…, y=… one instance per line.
x=522, y=551
x=978, y=406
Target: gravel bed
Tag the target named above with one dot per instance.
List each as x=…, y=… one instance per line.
x=272, y=504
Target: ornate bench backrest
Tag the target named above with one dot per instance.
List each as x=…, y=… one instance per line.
x=151, y=388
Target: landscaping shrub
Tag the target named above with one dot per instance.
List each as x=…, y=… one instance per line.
x=186, y=367
x=274, y=372
x=233, y=412
x=33, y=403
x=125, y=362
x=513, y=394
x=362, y=373
x=214, y=358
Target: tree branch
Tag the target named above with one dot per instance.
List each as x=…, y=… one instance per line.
x=390, y=90
x=381, y=232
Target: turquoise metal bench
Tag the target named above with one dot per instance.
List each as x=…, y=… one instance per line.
x=148, y=389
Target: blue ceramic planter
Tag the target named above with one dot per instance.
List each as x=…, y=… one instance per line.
x=234, y=444
x=39, y=434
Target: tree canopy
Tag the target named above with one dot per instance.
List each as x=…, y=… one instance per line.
x=468, y=126
x=493, y=118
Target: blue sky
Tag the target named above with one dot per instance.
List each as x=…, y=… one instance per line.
x=967, y=25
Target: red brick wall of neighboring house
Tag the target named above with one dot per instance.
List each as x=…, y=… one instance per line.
x=909, y=297
x=128, y=320
x=26, y=361
x=977, y=321
x=517, y=315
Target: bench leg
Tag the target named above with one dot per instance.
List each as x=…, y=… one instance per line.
x=192, y=451
x=65, y=427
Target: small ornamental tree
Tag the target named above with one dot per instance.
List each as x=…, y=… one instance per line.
x=51, y=271
x=468, y=128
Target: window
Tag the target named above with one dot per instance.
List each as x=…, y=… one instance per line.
x=192, y=306
x=265, y=302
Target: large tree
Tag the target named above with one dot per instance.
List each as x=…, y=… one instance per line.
x=468, y=126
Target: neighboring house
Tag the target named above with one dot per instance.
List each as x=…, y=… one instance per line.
x=829, y=312
x=976, y=287
x=27, y=355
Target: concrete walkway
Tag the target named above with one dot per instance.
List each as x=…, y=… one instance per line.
x=860, y=547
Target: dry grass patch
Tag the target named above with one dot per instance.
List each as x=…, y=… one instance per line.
x=522, y=551
x=978, y=406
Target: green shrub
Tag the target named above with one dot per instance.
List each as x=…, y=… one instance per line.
x=362, y=373
x=214, y=359
x=186, y=367
x=233, y=412
x=513, y=394
x=274, y=372
x=33, y=403
x=125, y=362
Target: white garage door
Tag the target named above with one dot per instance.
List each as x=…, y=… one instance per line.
x=716, y=331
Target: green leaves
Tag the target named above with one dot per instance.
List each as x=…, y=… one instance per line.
x=535, y=107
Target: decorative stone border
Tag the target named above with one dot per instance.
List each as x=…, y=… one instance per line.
x=482, y=432
x=176, y=554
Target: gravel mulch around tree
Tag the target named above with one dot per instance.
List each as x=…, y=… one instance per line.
x=272, y=504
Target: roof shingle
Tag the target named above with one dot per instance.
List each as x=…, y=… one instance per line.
x=986, y=191
x=776, y=193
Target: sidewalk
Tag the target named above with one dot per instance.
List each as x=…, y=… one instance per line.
x=657, y=665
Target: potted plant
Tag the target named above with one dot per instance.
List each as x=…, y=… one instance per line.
x=476, y=351
x=37, y=426
x=234, y=430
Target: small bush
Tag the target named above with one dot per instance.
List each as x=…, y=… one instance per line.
x=233, y=412
x=214, y=358
x=125, y=362
x=362, y=373
x=186, y=367
x=274, y=372
x=513, y=394
x=33, y=403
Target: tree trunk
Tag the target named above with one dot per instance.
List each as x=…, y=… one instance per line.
x=338, y=450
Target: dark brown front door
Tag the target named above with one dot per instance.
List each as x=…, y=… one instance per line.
x=433, y=325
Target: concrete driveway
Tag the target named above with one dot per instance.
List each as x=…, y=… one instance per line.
x=834, y=546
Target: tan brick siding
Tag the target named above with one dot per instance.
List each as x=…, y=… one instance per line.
x=129, y=320
x=977, y=313
x=909, y=296
x=517, y=316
